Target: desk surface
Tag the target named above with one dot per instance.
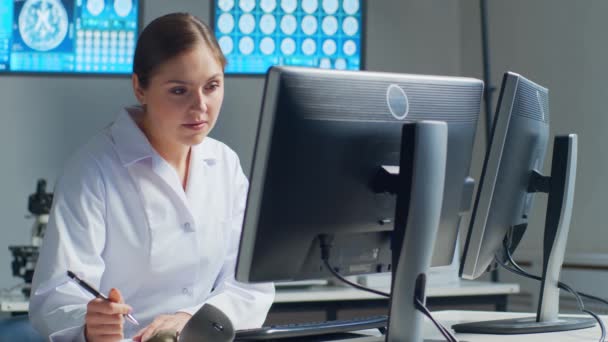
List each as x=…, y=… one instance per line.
x=448, y=318
x=333, y=293
x=13, y=303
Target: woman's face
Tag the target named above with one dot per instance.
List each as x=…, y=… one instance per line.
x=183, y=98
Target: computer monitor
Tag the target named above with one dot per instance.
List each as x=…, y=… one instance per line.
x=322, y=139
x=509, y=179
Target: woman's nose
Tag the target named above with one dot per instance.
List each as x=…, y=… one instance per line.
x=201, y=100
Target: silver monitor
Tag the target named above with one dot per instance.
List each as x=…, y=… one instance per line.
x=510, y=177
x=518, y=144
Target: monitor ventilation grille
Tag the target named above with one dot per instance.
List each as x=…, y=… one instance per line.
x=323, y=98
x=532, y=101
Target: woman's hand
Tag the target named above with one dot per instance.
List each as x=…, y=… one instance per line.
x=175, y=322
x=104, y=319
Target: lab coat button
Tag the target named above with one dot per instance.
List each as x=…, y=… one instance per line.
x=187, y=226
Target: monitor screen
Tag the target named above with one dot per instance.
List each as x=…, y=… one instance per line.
x=322, y=138
x=68, y=36
x=257, y=34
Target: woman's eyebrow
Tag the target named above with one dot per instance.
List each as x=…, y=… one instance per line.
x=186, y=82
x=214, y=76
x=177, y=81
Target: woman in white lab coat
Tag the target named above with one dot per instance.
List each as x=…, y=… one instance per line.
x=150, y=210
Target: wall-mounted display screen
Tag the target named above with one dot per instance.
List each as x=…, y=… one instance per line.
x=68, y=36
x=257, y=34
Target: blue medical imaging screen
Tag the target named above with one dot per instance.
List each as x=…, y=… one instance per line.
x=257, y=34
x=68, y=36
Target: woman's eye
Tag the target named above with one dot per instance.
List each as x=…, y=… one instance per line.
x=213, y=86
x=178, y=91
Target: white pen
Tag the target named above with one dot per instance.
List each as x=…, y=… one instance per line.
x=97, y=294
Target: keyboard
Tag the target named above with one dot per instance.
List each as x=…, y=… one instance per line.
x=312, y=328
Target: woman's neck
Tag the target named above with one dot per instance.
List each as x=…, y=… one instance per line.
x=176, y=154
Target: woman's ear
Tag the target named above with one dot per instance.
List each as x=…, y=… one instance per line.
x=138, y=90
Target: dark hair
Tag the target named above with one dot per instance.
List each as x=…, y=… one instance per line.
x=168, y=36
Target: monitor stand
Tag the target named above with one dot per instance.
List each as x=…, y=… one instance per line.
x=418, y=184
x=560, y=187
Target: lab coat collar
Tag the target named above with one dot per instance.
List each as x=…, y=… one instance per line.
x=133, y=146
x=207, y=151
x=130, y=142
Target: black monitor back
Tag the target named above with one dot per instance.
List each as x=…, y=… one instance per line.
x=322, y=138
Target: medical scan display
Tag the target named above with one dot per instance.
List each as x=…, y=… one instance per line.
x=68, y=36
x=257, y=34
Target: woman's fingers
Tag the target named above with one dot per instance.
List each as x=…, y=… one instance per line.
x=99, y=305
x=147, y=332
x=104, y=329
x=173, y=323
x=99, y=318
x=104, y=319
x=115, y=296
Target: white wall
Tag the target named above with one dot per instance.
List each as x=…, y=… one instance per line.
x=561, y=45
x=413, y=36
x=44, y=119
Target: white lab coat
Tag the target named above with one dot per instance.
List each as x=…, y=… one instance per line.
x=121, y=218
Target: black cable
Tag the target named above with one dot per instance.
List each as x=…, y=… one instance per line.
x=588, y=296
x=519, y=271
x=602, y=327
x=445, y=332
x=355, y=285
x=325, y=247
x=560, y=284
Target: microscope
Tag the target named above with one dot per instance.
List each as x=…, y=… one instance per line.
x=25, y=257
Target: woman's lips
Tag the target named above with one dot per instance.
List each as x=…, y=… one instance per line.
x=197, y=126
